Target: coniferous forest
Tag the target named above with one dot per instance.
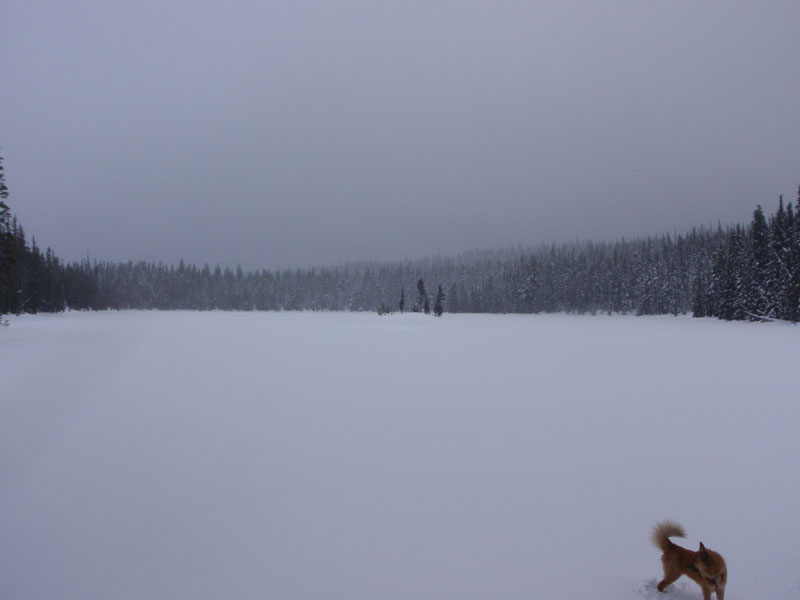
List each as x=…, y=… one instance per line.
x=742, y=272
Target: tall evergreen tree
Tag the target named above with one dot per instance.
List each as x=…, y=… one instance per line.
x=793, y=294
x=7, y=248
x=423, y=302
x=781, y=260
x=438, y=306
x=759, y=299
x=4, y=211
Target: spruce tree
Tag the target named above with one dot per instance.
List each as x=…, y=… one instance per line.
x=781, y=260
x=4, y=212
x=7, y=249
x=438, y=307
x=758, y=299
x=423, y=303
x=793, y=294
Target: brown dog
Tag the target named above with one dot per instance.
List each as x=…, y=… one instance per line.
x=705, y=566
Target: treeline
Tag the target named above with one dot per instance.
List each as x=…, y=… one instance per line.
x=742, y=272
x=755, y=274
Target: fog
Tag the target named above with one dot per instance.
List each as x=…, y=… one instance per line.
x=290, y=134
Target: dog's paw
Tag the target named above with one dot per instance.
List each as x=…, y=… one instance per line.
x=649, y=589
x=677, y=591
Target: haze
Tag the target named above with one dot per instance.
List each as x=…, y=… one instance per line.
x=306, y=133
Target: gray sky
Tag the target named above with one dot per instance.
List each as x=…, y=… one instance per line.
x=300, y=132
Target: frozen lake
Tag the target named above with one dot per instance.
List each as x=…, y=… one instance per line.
x=351, y=456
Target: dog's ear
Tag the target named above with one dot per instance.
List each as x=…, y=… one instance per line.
x=702, y=550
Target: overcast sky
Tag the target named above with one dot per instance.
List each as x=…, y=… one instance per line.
x=309, y=133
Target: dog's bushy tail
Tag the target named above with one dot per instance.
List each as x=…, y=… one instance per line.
x=663, y=531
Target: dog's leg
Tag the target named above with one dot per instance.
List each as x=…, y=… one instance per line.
x=671, y=574
x=721, y=592
x=666, y=581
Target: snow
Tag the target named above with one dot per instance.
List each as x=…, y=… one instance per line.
x=350, y=456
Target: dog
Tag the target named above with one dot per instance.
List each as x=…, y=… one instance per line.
x=706, y=567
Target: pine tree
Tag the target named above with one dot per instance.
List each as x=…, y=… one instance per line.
x=423, y=302
x=438, y=307
x=781, y=261
x=12, y=247
x=7, y=248
x=759, y=302
x=4, y=211
x=793, y=293
x=6, y=244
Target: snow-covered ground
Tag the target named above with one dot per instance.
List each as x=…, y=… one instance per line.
x=350, y=456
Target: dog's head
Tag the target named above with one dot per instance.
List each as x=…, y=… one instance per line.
x=711, y=566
